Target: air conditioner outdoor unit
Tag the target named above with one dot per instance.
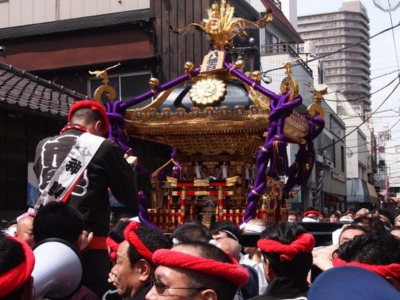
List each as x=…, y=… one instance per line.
x=328, y=163
x=319, y=158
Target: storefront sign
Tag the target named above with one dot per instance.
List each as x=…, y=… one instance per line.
x=338, y=177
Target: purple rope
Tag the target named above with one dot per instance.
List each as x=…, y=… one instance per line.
x=262, y=161
x=144, y=214
x=117, y=133
x=177, y=169
x=124, y=105
x=250, y=82
x=277, y=156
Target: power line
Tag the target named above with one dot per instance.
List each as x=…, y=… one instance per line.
x=377, y=91
x=357, y=127
x=370, y=143
x=394, y=40
x=340, y=50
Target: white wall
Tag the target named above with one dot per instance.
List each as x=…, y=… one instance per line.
x=257, y=4
x=289, y=9
x=24, y=12
x=276, y=61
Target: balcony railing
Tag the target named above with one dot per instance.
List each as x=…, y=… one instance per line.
x=284, y=48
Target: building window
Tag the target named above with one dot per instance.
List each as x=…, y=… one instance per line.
x=127, y=86
x=336, y=128
x=333, y=152
x=342, y=158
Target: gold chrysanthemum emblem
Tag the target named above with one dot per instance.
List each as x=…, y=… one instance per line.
x=207, y=91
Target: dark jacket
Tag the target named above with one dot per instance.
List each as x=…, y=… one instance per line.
x=251, y=288
x=107, y=169
x=284, y=288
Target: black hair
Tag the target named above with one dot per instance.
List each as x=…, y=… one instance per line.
x=354, y=226
x=11, y=256
x=334, y=213
x=383, y=211
x=117, y=232
x=87, y=116
x=152, y=239
x=58, y=220
x=191, y=232
x=373, y=248
x=222, y=287
x=373, y=223
x=296, y=269
x=229, y=227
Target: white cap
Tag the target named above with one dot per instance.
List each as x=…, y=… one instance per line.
x=346, y=219
x=309, y=220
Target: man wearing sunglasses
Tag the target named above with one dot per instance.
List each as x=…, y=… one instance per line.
x=196, y=270
x=134, y=268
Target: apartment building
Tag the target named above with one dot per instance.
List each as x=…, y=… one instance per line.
x=347, y=71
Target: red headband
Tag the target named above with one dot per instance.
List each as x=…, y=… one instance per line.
x=113, y=245
x=392, y=270
x=303, y=244
x=234, y=272
x=17, y=277
x=311, y=212
x=93, y=105
x=133, y=239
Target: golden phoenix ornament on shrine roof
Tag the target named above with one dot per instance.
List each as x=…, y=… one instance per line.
x=221, y=26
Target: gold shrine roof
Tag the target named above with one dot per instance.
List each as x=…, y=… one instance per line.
x=214, y=112
x=235, y=123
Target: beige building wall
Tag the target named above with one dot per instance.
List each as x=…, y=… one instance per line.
x=25, y=12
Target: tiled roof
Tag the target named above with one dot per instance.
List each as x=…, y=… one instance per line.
x=92, y=22
x=20, y=89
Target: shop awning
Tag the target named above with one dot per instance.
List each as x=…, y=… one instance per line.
x=357, y=190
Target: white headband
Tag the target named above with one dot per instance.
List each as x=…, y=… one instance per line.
x=252, y=227
x=230, y=234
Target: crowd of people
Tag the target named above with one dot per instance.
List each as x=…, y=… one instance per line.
x=128, y=260
x=195, y=262
x=313, y=215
